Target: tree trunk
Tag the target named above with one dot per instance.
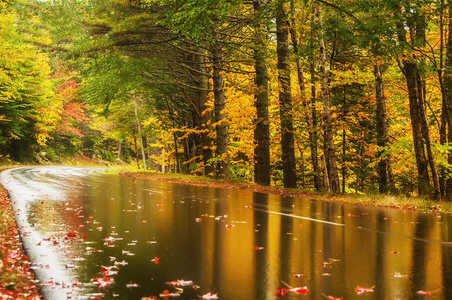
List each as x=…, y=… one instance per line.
x=262, y=129
x=344, y=141
x=444, y=112
x=202, y=117
x=326, y=180
x=143, y=154
x=410, y=71
x=136, y=152
x=221, y=154
x=187, y=150
x=427, y=138
x=118, y=157
x=447, y=107
x=382, y=132
x=309, y=121
x=285, y=101
x=330, y=148
x=177, y=168
x=314, y=146
x=416, y=96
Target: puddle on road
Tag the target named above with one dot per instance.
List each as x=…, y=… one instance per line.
x=95, y=235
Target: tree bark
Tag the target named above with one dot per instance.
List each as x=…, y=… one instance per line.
x=384, y=168
x=416, y=96
x=202, y=117
x=285, y=101
x=326, y=180
x=447, y=107
x=177, y=168
x=421, y=161
x=329, y=141
x=262, y=129
x=344, y=141
x=314, y=148
x=427, y=139
x=221, y=154
x=143, y=154
x=118, y=157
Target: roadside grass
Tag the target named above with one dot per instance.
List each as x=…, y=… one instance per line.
x=387, y=200
x=400, y=201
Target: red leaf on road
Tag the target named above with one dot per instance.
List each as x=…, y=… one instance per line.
x=359, y=290
x=299, y=290
x=332, y=297
x=421, y=292
x=281, y=292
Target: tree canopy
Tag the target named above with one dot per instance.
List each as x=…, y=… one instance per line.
x=350, y=97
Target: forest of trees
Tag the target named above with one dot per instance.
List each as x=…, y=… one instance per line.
x=339, y=96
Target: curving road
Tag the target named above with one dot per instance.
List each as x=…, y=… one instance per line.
x=27, y=186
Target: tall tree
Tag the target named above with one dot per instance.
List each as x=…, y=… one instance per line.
x=202, y=115
x=447, y=104
x=221, y=153
x=285, y=98
x=385, y=176
x=262, y=130
x=416, y=25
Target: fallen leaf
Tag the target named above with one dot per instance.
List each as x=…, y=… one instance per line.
x=166, y=293
x=132, y=285
x=180, y=282
x=421, y=292
x=299, y=290
x=209, y=296
x=109, y=239
x=103, y=282
x=281, y=292
x=359, y=290
x=332, y=297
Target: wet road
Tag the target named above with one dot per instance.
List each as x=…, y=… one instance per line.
x=92, y=235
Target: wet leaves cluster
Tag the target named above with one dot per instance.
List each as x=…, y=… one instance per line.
x=17, y=281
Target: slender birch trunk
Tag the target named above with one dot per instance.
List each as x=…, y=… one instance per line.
x=143, y=154
x=330, y=148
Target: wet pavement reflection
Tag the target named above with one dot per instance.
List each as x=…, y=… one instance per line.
x=93, y=235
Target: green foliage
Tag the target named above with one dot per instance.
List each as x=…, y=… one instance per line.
x=50, y=154
x=193, y=19
x=25, y=89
